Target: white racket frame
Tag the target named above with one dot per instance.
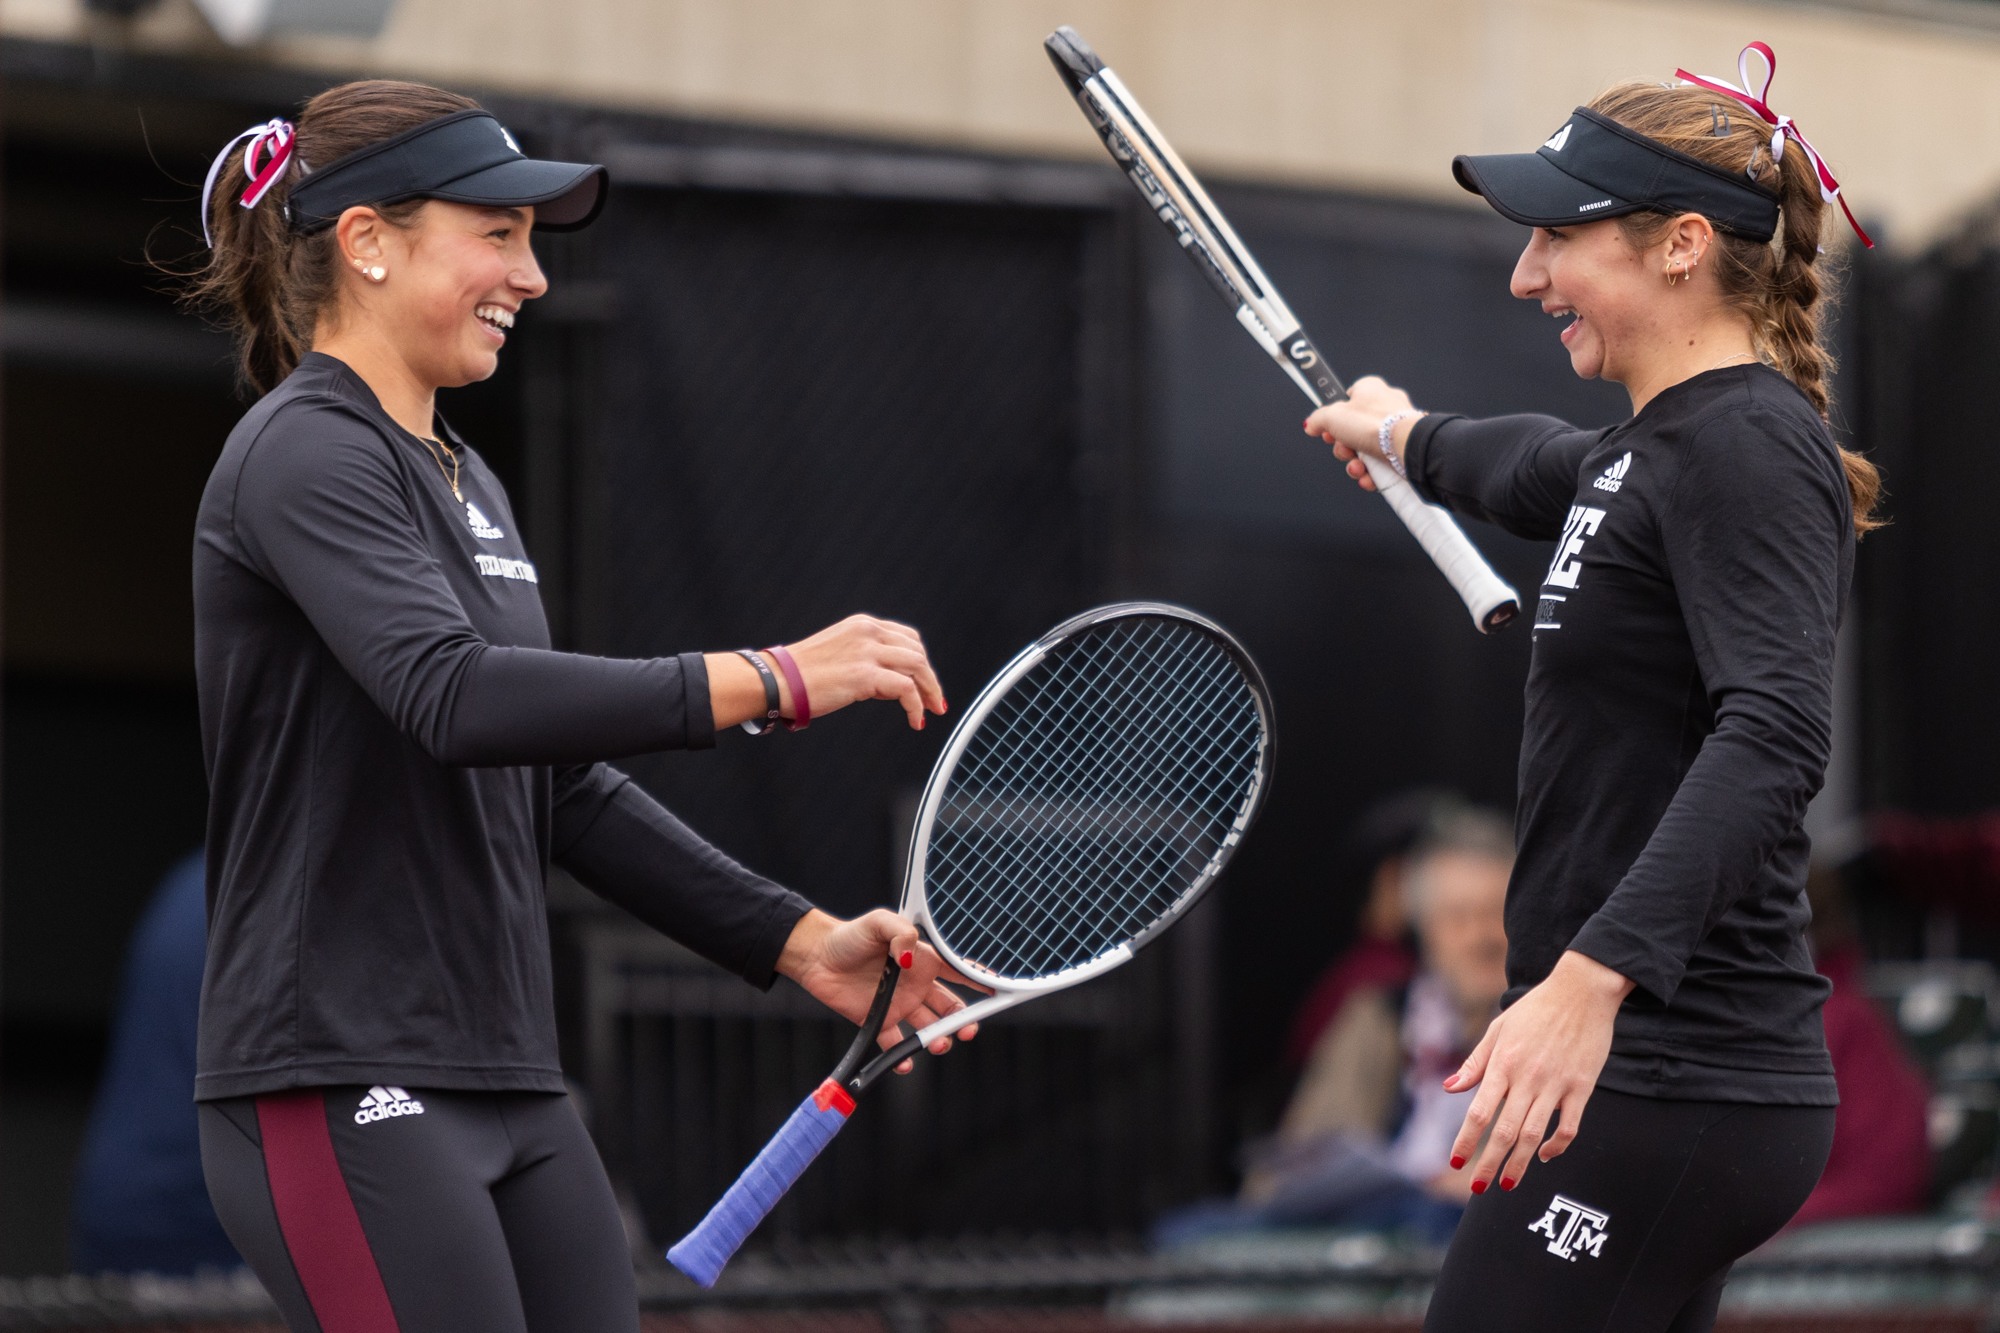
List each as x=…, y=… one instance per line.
x=1010, y=991
x=1489, y=599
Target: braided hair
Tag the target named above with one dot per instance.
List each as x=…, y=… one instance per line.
x=1776, y=283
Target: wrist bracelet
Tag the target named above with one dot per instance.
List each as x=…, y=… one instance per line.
x=1388, y=447
x=802, y=715
x=771, y=716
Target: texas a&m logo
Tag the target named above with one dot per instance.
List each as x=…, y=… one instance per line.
x=1571, y=1227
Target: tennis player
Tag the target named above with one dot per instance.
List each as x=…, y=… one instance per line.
x=395, y=756
x=1660, y=1057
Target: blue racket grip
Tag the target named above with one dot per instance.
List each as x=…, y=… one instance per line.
x=702, y=1253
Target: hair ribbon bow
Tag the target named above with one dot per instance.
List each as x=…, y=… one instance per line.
x=274, y=139
x=1782, y=126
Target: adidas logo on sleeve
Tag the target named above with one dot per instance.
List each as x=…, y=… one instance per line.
x=384, y=1103
x=1614, y=476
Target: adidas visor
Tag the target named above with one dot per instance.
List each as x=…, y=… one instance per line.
x=466, y=158
x=1593, y=167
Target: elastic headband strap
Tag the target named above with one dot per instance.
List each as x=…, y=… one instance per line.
x=275, y=137
x=1783, y=128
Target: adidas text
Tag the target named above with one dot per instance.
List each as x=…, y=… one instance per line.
x=1614, y=476
x=386, y=1103
x=482, y=526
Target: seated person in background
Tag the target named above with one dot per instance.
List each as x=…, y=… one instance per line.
x=1381, y=956
x=1366, y=1140
x=1880, y=1163
x=139, y=1202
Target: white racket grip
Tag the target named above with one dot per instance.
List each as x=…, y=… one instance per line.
x=1488, y=597
x=703, y=1252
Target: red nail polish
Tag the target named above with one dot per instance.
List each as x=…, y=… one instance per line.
x=1479, y=1187
x=1506, y=1184
x=907, y=961
x=1457, y=1163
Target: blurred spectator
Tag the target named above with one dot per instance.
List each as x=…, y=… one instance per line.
x=1880, y=1162
x=1366, y=1139
x=140, y=1203
x=1381, y=956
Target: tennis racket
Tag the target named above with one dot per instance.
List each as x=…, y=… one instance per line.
x=1086, y=800
x=1174, y=194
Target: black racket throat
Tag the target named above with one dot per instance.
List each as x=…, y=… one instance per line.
x=856, y=1072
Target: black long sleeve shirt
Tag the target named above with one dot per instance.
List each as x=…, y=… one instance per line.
x=395, y=757
x=1679, y=715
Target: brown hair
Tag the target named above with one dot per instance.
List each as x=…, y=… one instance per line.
x=1776, y=283
x=263, y=282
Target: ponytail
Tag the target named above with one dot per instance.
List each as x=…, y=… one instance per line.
x=262, y=282
x=1776, y=284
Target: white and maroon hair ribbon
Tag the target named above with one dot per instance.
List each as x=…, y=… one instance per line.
x=1782, y=127
x=274, y=139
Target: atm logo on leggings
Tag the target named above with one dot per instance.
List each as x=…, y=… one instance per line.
x=383, y=1103
x=1571, y=1227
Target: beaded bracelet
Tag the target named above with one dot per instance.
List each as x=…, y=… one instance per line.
x=1382, y=438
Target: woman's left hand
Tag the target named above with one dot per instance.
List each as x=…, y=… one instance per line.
x=839, y=963
x=1541, y=1058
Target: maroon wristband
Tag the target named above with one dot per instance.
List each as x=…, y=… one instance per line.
x=801, y=705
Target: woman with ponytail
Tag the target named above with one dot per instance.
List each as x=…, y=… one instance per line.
x=1655, y=1098
x=395, y=755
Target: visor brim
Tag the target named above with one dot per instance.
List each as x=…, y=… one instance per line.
x=1529, y=189
x=566, y=196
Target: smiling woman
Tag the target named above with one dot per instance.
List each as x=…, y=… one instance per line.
x=1656, y=1099
x=395, y=755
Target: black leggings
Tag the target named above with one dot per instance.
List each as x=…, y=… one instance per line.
x=380, y=1210
x=1634, y=1228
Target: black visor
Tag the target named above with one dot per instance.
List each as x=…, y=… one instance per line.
x=466, y=158
x=1593, y=167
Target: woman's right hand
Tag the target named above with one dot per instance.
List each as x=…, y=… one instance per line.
x=1353, y=425
x=861, y=657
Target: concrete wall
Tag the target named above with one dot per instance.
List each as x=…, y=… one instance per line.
x=1903, y=95
x=1339, y=93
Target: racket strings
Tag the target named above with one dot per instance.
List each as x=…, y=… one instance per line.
x=1093, y=798
x=1104, y=832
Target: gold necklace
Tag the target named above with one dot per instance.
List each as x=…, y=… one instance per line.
x=450, y=477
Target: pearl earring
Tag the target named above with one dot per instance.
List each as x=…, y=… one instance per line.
x=378, y=273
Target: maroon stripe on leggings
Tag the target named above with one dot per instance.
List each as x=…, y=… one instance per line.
x=316, y=1214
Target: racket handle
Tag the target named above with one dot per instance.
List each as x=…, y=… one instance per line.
x=1488, y=597
x=702, y=1253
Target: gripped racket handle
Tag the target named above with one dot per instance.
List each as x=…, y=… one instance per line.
x=1492, y=602
x=1488, y=597
x=703, y=1252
